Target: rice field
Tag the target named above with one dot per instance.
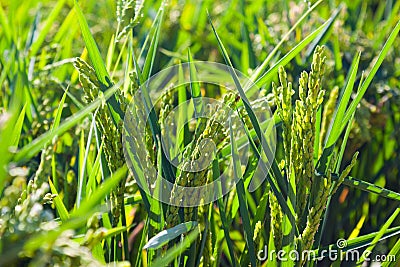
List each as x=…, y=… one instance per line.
x=199, y=133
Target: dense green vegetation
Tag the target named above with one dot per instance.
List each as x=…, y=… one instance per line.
x=71, y=70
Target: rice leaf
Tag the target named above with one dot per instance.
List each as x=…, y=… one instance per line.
x=371, y=188
x=263, y=67
x=165, y=236
x=151, y=54
x=244, y=212
x=336, y=128
x=194, y=86
x=61, y=209
x=380, y=234
x=368, y=79
x=91, y=182
x=223, y=215
x=18, y=127
x=98, y=64
x=60, y=108
x=394, y=252
x=46, y=27
x=278, y=191
x=268, y=75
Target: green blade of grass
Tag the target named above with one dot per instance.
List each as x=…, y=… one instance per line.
x=46, y=27
x=282, y=183
x=93, y=50
x=115, y=231
x=157, y=218
x=223, y=215
x=395, y=251
x=267, y=76
x=7, y=130
x=368, y=79
x=335, y=130
x=18, y=127
x=83, y=162
x=371, y=188
x=194, y=86
x=91, y=182
x=380, y=234
x=98, y=64
x=110, y=52
x=262, y=68
x=183, y=128
x=120, y=55
x=60, y=108
x=317, y=134
x=61, y=209
x=138, y=261
x=247, y=53
x=151, y=54
x=242, y=198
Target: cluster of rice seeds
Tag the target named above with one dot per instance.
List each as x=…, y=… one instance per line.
x=276, y=221
x=123, y=6
x=299, y=125
x=111, y=133
x=298, y=139
x=211, y=129
x=44, y=170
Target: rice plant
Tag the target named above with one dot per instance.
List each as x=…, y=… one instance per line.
x=283, y=154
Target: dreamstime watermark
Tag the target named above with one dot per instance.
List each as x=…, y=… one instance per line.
x=216, y=80
x=331, y=253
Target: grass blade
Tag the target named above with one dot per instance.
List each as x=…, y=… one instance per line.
x=165, y=236
x=278, y=191
x=195, y=86
x=46, y=28
x=98, y=64
x=392, y=37
x=60, y=108
x=61, y=209
x=371, y=188
x=18, y=127
x=151, y=54
x=380, y=234
x=224, y=220
x=263, y=67
x=395, y=251
x=267, y=76
x=242, y=198
x=336, y=128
